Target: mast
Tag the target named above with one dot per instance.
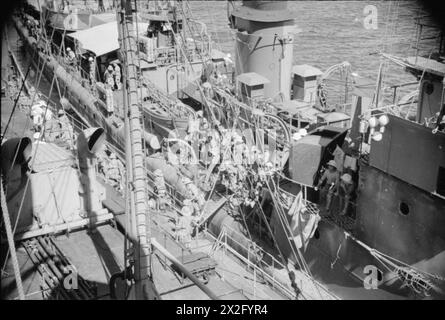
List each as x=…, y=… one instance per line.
x=138, y=208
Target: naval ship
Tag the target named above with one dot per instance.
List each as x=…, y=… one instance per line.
x=389, y=241
x=71, y=235
x=353, y=255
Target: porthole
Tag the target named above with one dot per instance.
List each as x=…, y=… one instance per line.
x=317, y=234
x=404, y=208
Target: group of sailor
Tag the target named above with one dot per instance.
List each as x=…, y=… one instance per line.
x=112, y=76
x=332, y=182
x=231, y=158
x=49, y=128
x=112, y=169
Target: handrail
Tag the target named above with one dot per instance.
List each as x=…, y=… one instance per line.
x=271, y=279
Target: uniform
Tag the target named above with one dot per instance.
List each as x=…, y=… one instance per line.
x=114, y=172
x=331, y=179
x=109, y=85
x=39, y=113
x=346, y=191
x=108, y=77
x=92, y=70
x=160, y=189
x=71, y=57
x=67, y=132
x=117, y=76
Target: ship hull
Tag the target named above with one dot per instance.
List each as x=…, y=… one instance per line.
x=346, y=261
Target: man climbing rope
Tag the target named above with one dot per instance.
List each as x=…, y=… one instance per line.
x=329, y=182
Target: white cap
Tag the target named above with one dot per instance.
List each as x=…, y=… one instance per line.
x=90, y=59
x=296, y=136
x=302, y=132
x=68, y=49
x=110, y=67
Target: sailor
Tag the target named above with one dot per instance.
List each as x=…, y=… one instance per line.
x=71, y=56
x=114, y=171
x=109, y=77
x=160, y=189
x=66, y=129
x=92, y=70
x=109, y=100
x=345, y=191
x=207, y=88
x=183, y=223
x=329, y=182
x=195, y=194
x=109, y=86
x=117, y=76
x=37, y=115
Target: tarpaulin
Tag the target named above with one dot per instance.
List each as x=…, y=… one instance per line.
x=304, y=159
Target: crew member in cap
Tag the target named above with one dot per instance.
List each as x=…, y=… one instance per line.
x=345, y=191
x=92, y=70
x=71, y=57
x=329, y=182
x=109, y=76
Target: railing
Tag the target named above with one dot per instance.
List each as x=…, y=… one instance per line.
x=221, y=242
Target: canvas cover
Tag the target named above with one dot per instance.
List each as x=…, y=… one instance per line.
x=304, y=160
